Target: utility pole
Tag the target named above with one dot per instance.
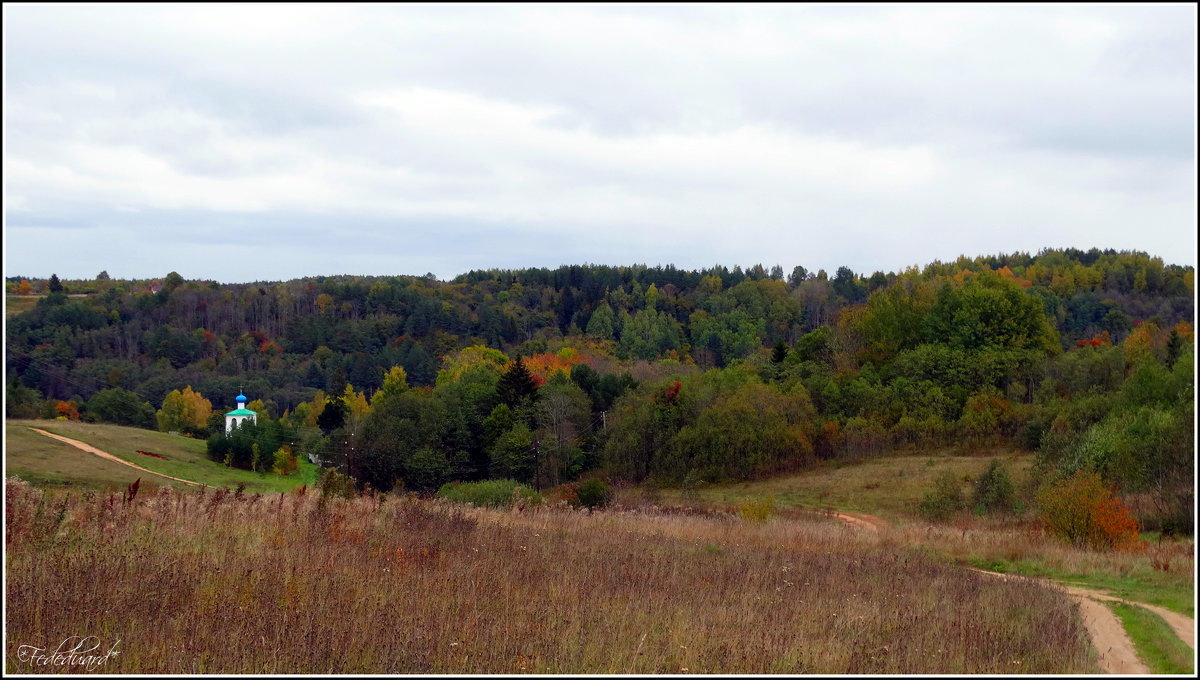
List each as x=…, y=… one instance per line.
x=537, y=468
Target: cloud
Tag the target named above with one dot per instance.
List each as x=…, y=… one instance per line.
x=373, y=139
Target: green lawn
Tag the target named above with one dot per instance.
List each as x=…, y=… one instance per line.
x=184, y=458
x=1155, y=642
x=889, y=487
x=46, y=462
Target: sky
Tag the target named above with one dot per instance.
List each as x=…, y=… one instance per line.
x=265, y=142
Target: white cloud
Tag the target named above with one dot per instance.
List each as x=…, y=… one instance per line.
x=883, y=136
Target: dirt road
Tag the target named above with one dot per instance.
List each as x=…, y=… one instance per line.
x=1117, y=655
x=106, y=455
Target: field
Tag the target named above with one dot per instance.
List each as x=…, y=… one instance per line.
x=297, y=584
x=670, y=582
x=27, y=457
x=51, y=463
x=16, y=304
x=889, y=487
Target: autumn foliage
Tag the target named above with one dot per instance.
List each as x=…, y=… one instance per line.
x=67, y=410
x=1101, y=339
x=546, y=364
x=1083, y=510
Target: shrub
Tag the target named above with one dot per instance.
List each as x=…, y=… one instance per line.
x=492, y=493
x=944, y=500
x=757, y=511
x=333, y=483
x=594, y=493
x=285, y=461
x=994, y=490
x=1081, y=509
x=564, y=494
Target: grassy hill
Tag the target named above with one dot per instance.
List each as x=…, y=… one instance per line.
x=16, y=304
x=889, y=487
x=48, y=462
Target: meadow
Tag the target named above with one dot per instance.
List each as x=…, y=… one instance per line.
x=50, y=463
x=886, y=486
x=35, y=457
x=221, y=582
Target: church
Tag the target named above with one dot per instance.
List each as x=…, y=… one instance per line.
x=239, y=414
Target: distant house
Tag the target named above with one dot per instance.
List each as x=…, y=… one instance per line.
x=239, y=415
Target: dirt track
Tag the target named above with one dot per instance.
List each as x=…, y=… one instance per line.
x=106, y=455
x=1117, y=655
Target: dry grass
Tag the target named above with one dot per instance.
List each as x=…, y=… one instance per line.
x=18, y=304
x=1020, y=545
x=220, y=583
x=889, y=486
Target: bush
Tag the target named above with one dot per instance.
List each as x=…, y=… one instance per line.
x=1081, y=509
x=594, y=493
x=564, y=494
x=994, y=490
x=944, y=500
x=285, y=462
x=333, y=483
x=757, y=511
x=492, y=493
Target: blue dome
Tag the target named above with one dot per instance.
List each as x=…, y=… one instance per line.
x=241, y=397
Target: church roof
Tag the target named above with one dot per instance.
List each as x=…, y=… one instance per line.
x=241, y=412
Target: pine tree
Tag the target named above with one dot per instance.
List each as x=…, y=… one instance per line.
x=517, y=386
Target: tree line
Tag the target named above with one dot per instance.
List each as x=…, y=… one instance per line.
x=544, y=375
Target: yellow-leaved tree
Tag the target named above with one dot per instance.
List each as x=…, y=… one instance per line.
x=187, y=411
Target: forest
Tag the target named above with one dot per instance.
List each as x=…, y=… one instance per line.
x=637, y=373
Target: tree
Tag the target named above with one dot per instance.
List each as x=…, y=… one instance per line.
x=172, y=281
x=602, y=324
x=1174, y=347
x=845, y=283
x=994, y=489
x=185, y=411
x=564, y=412
x=1085, y=511
x=798, y=276
x=649, y=334
x=512, y=454
x=397, y=428
x=55, y=285
x=121, y=407
x=333, y=415
x=779, y=353
x=517, y=386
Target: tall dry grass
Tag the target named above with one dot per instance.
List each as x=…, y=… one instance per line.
x=234, y=583
x=1023, y=539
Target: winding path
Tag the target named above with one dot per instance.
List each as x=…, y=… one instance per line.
x=106, y=455
x=1117, y=655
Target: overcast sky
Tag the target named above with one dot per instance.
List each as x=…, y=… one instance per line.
x=267, y=142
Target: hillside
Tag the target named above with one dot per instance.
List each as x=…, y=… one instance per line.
x=639, y=373
x=47, y=462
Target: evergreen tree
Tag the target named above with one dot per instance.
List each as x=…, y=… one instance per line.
x=517, y=387
x=333, y=415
